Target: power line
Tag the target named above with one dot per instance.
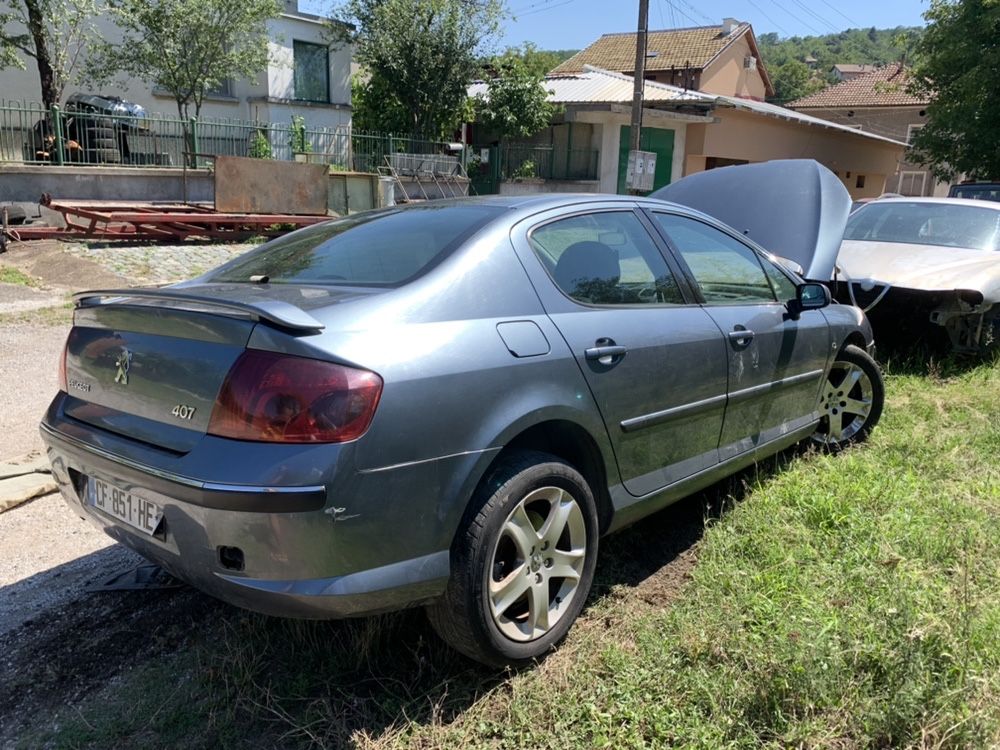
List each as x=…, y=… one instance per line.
x=697, y=12
x=837, y=10
x=760, y=10
x=671, y=4
x=545, y=8
x=801, y=21
x=815, y=15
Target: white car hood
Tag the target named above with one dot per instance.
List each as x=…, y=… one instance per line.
x=793, y=208
x=928, y=268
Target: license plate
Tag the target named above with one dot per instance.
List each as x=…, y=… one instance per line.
x=136, y=511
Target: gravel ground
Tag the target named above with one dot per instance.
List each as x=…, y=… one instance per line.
x=51, y=556
x=29, y=370
x=159, y=264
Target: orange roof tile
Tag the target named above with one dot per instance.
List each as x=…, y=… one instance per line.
x=672, y=48
x=883, y=87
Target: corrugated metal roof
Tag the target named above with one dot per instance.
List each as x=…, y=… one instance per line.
x=602, y=87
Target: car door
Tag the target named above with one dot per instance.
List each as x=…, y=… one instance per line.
x=776, y=363
x=654, y=361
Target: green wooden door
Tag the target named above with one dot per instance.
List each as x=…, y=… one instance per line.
x=658, y=140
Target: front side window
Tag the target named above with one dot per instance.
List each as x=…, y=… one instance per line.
x=727, y=271
x=311, y=77
x=605, y=258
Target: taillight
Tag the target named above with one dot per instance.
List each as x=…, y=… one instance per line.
x=284, y=399
x=63, y=382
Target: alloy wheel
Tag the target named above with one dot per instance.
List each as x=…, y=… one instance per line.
x=537, y=563
x=845, y=403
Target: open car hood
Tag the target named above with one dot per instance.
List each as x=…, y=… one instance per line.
x=793, y=208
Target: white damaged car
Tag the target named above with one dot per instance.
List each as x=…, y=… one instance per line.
x=909, y=262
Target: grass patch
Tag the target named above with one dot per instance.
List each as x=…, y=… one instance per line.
x=56, y=315
x=836, y=601
x=11, y=275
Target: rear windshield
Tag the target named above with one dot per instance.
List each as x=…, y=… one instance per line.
x=377, y=248
x=940, y=224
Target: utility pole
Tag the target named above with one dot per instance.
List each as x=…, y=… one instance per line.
x=640, y=78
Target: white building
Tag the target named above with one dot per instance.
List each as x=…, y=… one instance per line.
x=305, y=77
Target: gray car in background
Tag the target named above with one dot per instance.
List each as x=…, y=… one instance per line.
x=446, y=405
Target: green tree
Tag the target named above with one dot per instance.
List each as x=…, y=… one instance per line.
x=56, y=34
x=374, y=106
x=958, y=66
x=187, y=47
x=793, y=80
x=419, y=57
x=516, y=104
x=538, y=61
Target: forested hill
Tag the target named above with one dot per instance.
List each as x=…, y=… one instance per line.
x=794, y=75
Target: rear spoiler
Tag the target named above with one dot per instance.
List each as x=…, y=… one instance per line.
x=272, y=311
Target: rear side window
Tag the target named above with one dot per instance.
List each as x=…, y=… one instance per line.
x=375, y=248
x=605, y=258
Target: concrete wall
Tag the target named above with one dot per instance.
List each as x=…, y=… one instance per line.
x=531, y=187
x=607, y=134
x=28, y=183
x=728, y=76
x=741, y=135
x=892, y=122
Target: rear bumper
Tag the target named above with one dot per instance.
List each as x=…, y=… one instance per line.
x=301, y=557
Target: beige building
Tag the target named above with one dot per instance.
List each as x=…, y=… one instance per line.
x=715, y=59
x=875, y=100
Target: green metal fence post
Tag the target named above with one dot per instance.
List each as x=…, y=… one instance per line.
x=194, y=142
x=58, y=133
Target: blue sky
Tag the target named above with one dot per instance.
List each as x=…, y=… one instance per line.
x=573, y=24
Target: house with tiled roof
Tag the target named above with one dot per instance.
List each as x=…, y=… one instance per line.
x=847, y=71
x=878, y=101
x=721, y=59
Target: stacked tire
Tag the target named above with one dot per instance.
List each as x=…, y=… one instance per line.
x=100, y=142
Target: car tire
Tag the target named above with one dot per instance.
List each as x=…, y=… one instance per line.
x=104, y=156
x=106, y=144
x=851, y=400
x=99, y=132
x=505, y=586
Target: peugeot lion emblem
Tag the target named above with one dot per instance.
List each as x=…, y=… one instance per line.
x=122, y=363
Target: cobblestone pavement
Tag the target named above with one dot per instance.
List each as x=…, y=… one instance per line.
x=159, y=264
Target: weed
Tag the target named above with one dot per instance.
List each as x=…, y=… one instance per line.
x=11, y=275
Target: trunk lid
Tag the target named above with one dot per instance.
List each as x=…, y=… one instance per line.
x=149, y=363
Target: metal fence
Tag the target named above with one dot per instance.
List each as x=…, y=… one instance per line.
x=32, y=134
x=523, y=162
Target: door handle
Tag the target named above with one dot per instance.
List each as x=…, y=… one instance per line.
x=606, y=355
x=741, y=336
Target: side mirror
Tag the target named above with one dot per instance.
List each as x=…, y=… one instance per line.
x=808, y=296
